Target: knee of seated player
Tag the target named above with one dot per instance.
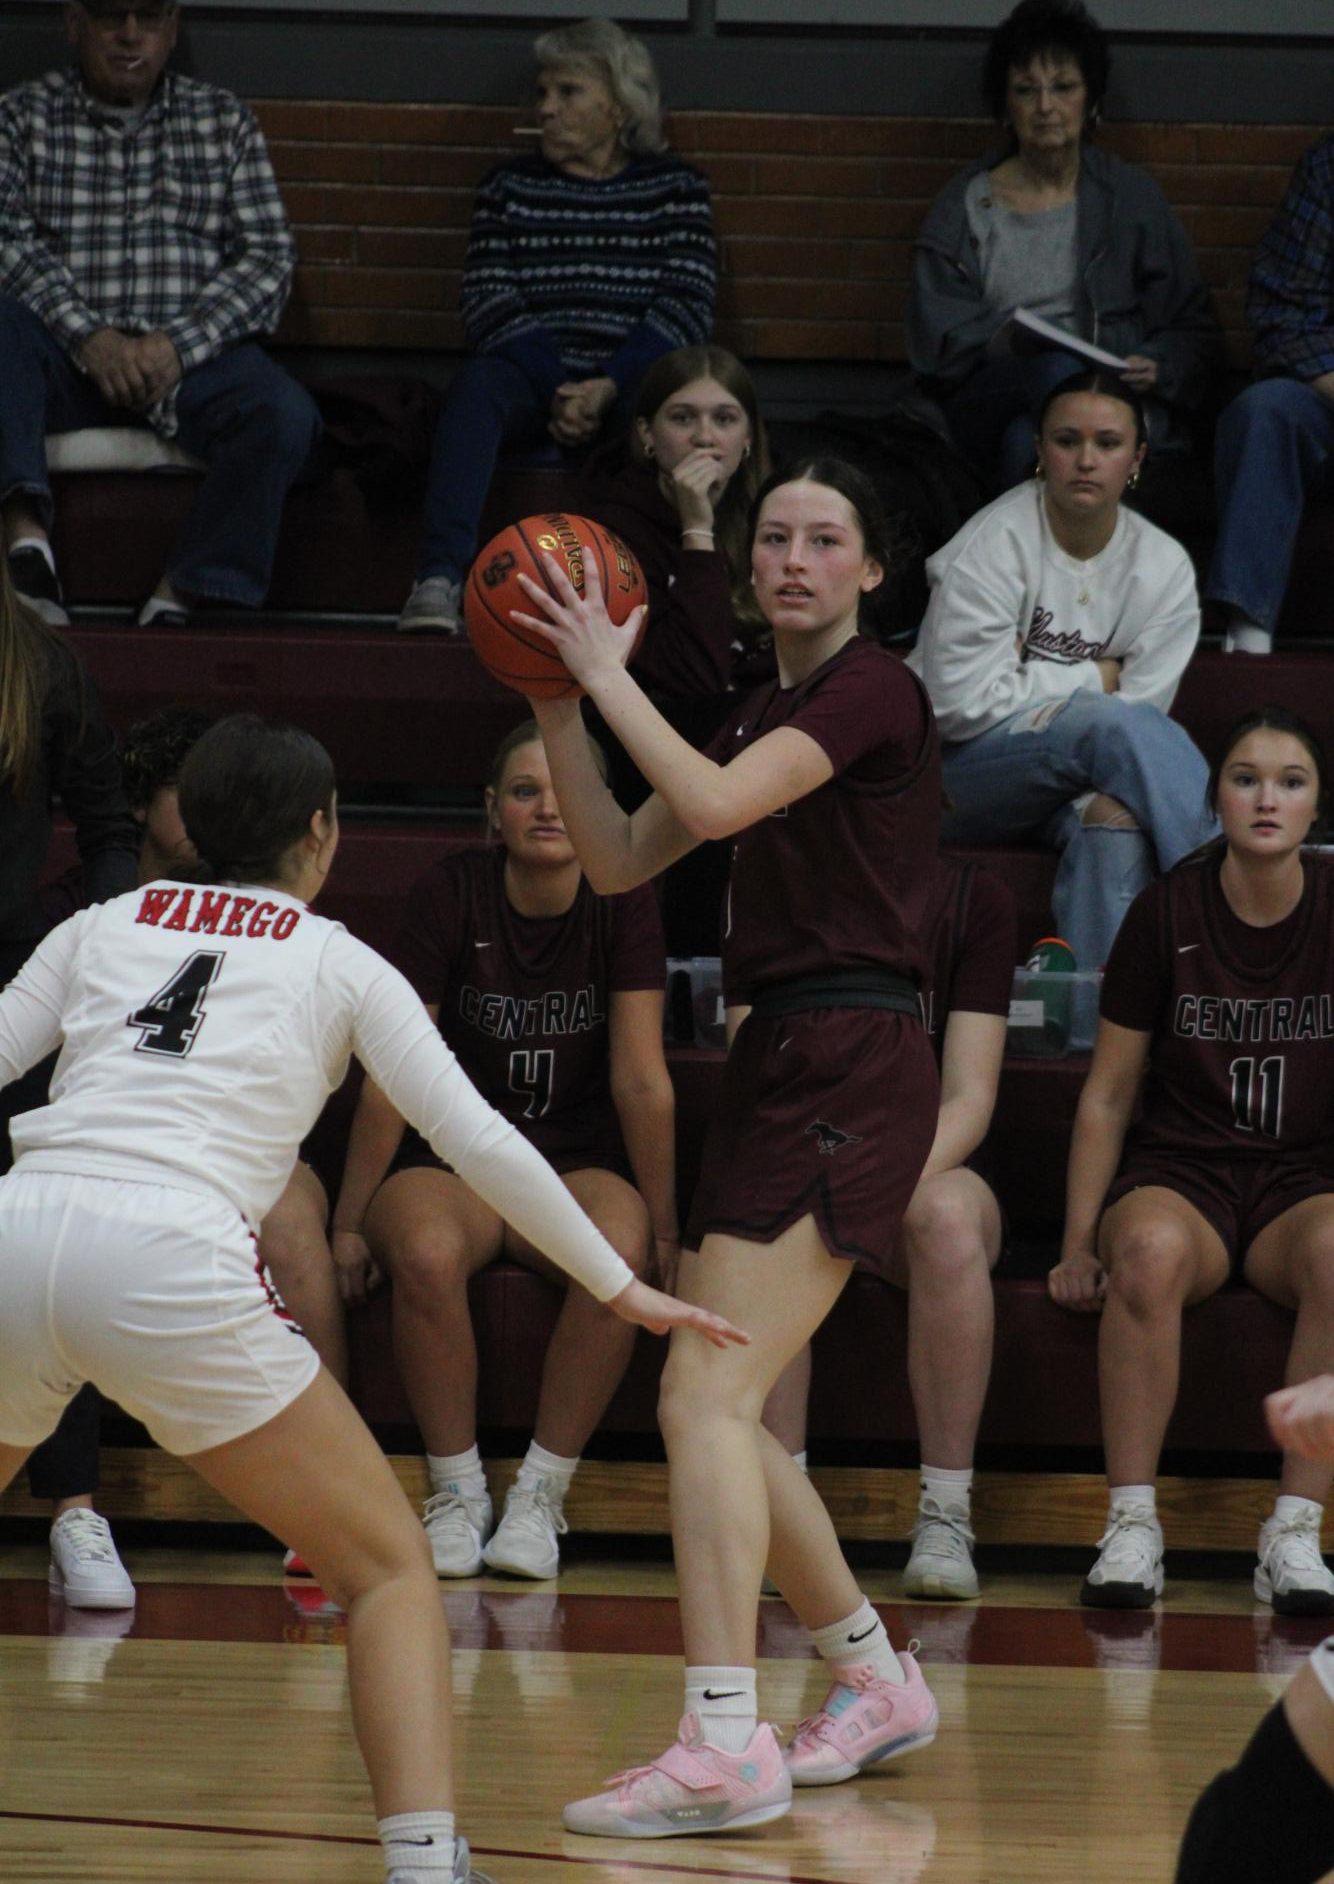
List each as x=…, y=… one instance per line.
x=1103, y=812
x=1313, y=1269
x=1150, y=1266
x=292, y=1239
x=616, y=1208
x=427, y=1258
x=942, y=1235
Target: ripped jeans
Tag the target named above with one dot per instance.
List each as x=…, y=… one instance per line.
x=1021, y=780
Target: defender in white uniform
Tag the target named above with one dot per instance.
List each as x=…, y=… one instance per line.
x=202, y=1027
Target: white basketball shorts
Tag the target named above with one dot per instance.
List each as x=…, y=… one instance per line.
x=154, y=1293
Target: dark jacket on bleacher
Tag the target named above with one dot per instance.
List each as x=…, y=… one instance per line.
x=1140, y=288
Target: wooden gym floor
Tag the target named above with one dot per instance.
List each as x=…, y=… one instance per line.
x=204, y=1738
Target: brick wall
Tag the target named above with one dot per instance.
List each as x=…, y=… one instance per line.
x=816, y=215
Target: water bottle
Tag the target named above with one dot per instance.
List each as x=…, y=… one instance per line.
x=1053, y=959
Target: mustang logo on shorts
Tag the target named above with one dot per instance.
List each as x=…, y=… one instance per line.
x=831, y=1139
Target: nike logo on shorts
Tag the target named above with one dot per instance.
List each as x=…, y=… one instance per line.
x=481, y=945
x=1186, y=948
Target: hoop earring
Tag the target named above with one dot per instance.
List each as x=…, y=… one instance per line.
x=745, y=452
x=1132, y=482
x=648, y=449
x=1039, y=471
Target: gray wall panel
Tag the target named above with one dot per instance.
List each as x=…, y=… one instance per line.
x=370, y=57
x=1300, y=18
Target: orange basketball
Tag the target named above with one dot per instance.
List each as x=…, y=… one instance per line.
x=518, y=656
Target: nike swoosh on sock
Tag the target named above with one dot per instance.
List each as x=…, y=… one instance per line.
x=722, y=1694
x=865, y=1632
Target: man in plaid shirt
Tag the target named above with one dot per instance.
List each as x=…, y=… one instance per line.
x=1276, y=440
x=143, y=245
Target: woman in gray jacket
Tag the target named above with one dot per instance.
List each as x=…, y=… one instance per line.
x=1069, y=233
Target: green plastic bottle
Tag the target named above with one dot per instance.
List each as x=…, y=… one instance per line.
x=1053, y=959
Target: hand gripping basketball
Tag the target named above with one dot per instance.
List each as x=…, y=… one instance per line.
x=559, y=565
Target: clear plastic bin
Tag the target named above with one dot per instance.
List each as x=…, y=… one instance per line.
x=1052, y=1014
x=693, y=1015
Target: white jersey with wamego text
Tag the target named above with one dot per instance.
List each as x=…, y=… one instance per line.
x=202, y=1028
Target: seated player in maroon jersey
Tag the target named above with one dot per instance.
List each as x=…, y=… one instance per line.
x=551, y=997
x=951, y=1234
x=827, y=781
x=679, y=489
x=1272, y=1815
x=1218, y=1003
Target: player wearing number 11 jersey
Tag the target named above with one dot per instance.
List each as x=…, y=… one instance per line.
x=1219, y=1001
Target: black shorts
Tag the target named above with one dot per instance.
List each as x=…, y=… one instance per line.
x=1238, y=1200
x=415, y=1154
x=831, y=1114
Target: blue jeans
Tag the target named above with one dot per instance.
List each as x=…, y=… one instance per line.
x=1018, y=780
x=490, y=403
x=1272, y=452
x=993, y=416
x=252, y=425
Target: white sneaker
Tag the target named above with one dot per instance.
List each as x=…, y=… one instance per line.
x=1129, y=1570
x=462, y=1873
x=941, y=1563
x=457, y=1525
x=525, y=1541
x=85, y=1568
x=1291, y=1573
x=435, y=604
x=1246, y=637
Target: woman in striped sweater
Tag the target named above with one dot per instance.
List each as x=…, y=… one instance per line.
x=586, y=261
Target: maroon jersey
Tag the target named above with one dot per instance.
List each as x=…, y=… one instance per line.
x=838, y=879
x=971, y=937
x=523, y=1000
x=693, y=644
x=1242, y=1019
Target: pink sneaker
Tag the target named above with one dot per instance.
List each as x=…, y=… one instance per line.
x=863, y=1720
x=692, y=1787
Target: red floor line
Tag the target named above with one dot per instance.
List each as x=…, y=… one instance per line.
x=173, y=1825
x=346, y=1838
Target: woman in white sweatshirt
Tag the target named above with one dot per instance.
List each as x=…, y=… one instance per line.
x=1058, y=628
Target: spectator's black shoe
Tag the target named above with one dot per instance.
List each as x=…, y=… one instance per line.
x=36, y=583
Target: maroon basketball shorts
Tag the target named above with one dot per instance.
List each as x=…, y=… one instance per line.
x=829, y=1113
x=1238, y=1199
x=415, y=1154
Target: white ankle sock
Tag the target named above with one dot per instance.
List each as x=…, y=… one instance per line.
x=1123, y=1495
x=858, y=1640
x=417, y=1845
x=1287, y=1507
x=457, y=1472
x=723, y=1700
x=541, y=1467
x=947, y=1485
